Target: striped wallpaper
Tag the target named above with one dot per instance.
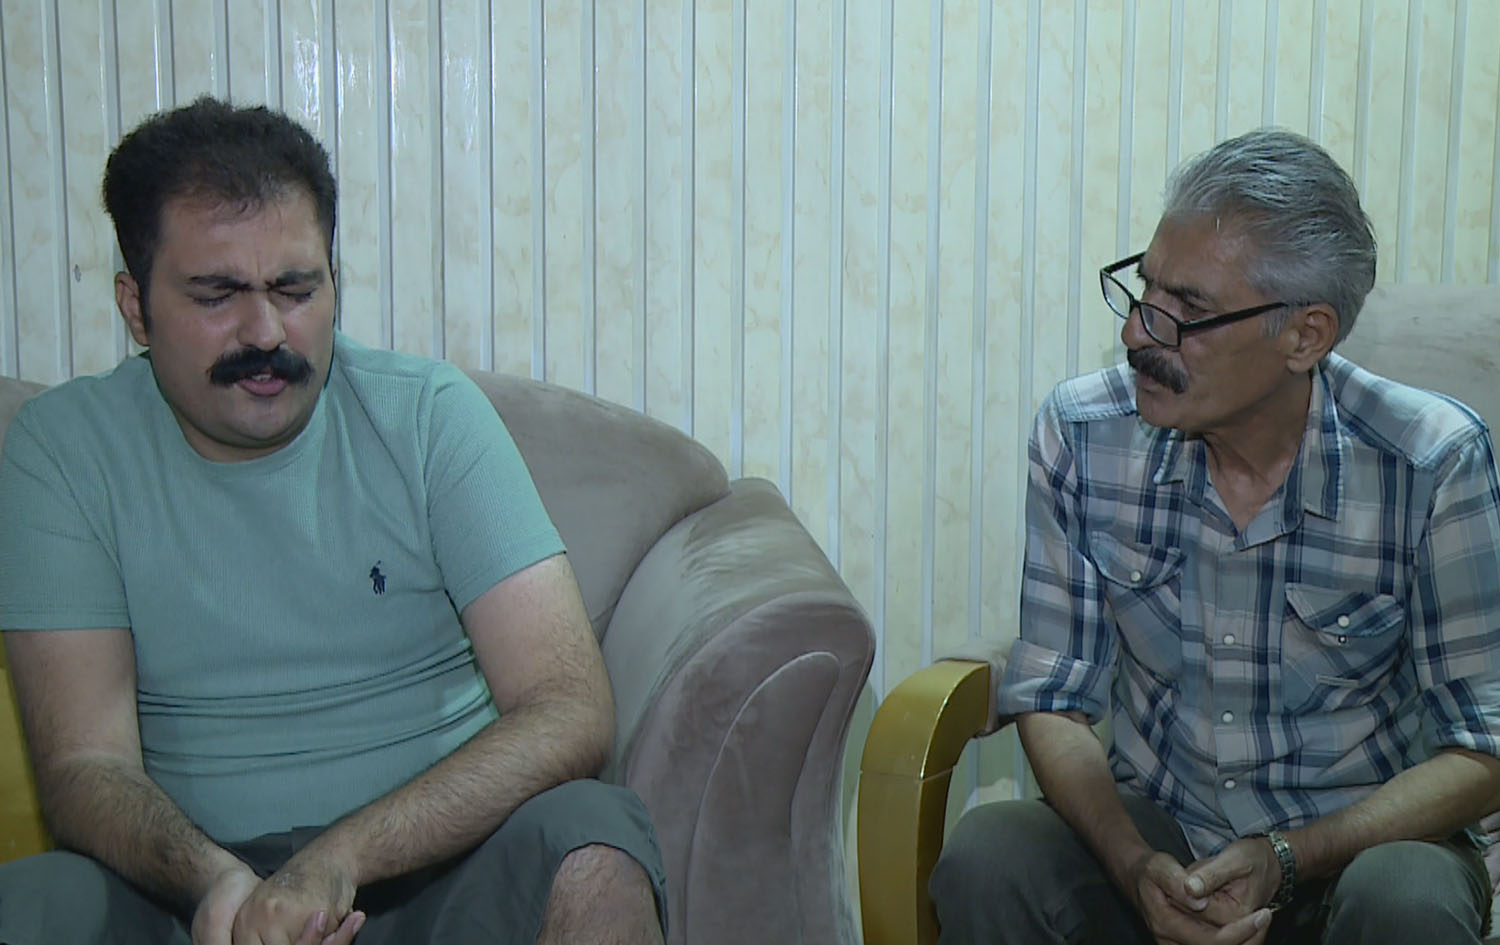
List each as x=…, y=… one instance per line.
x=847, y=244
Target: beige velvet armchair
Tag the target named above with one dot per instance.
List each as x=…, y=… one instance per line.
x=1442, y=337
x=735, y=652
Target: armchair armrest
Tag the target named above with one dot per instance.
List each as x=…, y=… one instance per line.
x=916, y=737
x=736, y=654
x=22, y=831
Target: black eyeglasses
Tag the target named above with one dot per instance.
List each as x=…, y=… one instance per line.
x=1167, y=329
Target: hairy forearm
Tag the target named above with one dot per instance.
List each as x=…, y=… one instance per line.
x=1072, y=769
x=1431, y=801
x=106, y=808
x=461, y=800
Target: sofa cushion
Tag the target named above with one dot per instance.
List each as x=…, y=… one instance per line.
x=12, y=394
x=613, y=479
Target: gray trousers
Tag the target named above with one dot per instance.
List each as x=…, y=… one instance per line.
x=1014, y=873
x=497, y=893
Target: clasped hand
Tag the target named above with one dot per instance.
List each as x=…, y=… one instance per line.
x=304, y=903
x=1217, y=901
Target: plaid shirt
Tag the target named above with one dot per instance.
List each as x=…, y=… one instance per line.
x=1269, y=677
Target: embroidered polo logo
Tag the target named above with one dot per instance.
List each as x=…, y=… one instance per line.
x=377, y=579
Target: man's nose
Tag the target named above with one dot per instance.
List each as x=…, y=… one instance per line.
x=261, y=325
x=1133, y=333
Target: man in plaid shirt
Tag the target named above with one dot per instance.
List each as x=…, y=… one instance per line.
x=1279, y=576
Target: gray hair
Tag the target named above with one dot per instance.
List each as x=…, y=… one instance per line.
x=1298, y=208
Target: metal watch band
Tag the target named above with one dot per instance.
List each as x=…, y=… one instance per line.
x=1287, y=860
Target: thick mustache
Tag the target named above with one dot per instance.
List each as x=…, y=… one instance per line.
x=1155, y=365
x=282, y=363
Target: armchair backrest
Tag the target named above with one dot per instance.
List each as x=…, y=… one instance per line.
x=1441, y=337
x=612, y=479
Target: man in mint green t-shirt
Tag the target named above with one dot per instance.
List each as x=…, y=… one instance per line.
x=299, y=653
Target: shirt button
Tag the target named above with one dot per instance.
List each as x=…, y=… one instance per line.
x=1229, y=639
x=1136, y=576
x=1343, y=620
x=1229, y=784
x=1227, y=717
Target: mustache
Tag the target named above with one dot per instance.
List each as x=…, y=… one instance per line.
x=1155, y=364
x=282, y=363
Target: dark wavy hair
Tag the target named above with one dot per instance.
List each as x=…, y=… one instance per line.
x=211, y=150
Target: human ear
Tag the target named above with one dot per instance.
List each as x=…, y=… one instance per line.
x=128, y=298
x=1309, y=335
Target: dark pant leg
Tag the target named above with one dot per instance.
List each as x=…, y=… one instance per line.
x=1410, y=892
x=63, y=897
x=497, y=894
x=1015, y=873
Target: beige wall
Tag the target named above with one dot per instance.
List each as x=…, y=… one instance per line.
x=848, y=244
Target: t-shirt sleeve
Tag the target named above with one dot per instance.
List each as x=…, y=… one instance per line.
x=487, y=520
x=57, y=570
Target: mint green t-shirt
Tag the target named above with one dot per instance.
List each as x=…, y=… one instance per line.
x=295, y=617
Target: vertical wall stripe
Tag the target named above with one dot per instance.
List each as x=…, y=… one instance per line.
x=328, y=78
x=272, y=50
x=788, y=241
x=688, y=255
x=1361, y=170
x=1455, y=137
x=223, y=83
x=887, y=106
x=1494, y=274
x=1268, y=65
x=1405, y=195
x=1127, y=128
x=52, y=41
x=739, y=98
x=1174, y=86
x=640, y=209
x=166, y=72
x=111, y=32
x=538, y=193
x=1315, y=70
x=384, y=137
x=488, y=320
x=1226, y=49
x=1075, y=189
x=833, y=540
x=9, y=291
x=1026, y=394
x=588, y=61
x=979, y=389
x=931, y=303
x=435, y=145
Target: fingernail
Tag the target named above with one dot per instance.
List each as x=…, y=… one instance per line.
x=1195, y=885
x=321, y=921
x=1198, y=904
x=1263, y=918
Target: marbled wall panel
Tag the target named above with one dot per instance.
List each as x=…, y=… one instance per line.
x=1425, y=183
x=194, y=33
x=1477, y=195
x=87, y=296
x=1248, y=65
x=33, y=119
x=619, y=211
x=1100, y=244
x=363, y=140
x=716, y=239
x=1198, y=122
x=952, y=311
x=668, y=203
x=806, y=429
x=517, y=94
x=464, y=180
x=252, y=52
x=567, y=123
x=1380, y=188
x=1293, y=64
x=766, y=191
x=860, y=278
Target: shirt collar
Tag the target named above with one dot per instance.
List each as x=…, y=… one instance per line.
x=1316, y=481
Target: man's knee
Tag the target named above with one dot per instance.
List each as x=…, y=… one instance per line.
x=994, y=847
x=1407, y=888
x=61, y=896
x=597, y=871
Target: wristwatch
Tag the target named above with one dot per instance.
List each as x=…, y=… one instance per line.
x=1287, y=860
